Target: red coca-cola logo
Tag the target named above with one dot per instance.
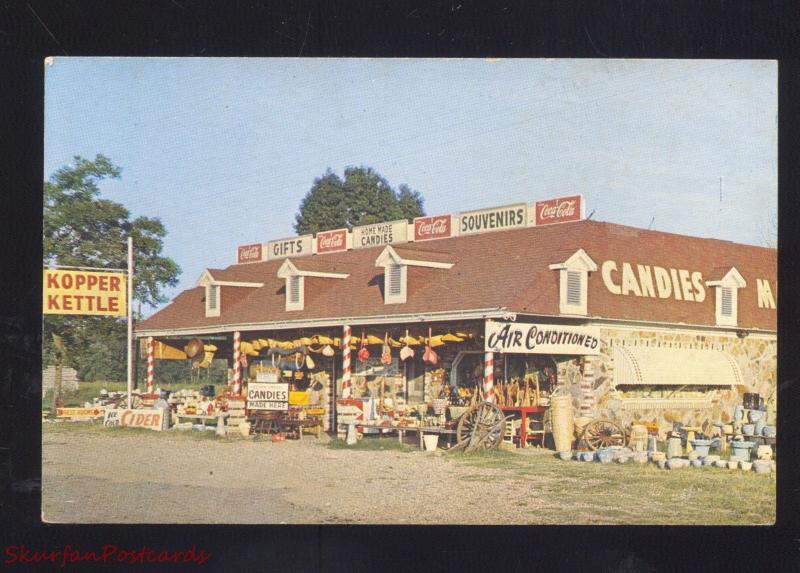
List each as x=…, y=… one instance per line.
x=431, y=228
x=558, y=210
x=249, y=253
x=331, y=241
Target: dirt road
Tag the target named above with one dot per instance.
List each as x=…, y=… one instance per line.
x=91, y=475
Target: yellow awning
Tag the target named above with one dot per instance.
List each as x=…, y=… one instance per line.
x=654, y=366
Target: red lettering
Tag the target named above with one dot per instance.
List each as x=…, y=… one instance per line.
x=52, y=302
x=92, y=282
x=90, y=300
x=11, y=554
x=103, y=282
x=67, y=302
x=113, y=304
x=114, y=283
x=66, y=281
x=52, y=280
x=137, y=420
x=78, y=298
x=123, y=421
x=80, y=280
x=100, y=307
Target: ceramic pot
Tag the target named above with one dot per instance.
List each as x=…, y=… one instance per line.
x=748, y=429
x=674, y=449
x=605, y=456
x=640, y=457
x=566, y=455
x=738, y=414
x=769, y=431
x=661, y=464
x=740, y=449
x=756, y=415
x=697, y=463
x=764, y=453
x=761, y=467
x=710, y=460
x=746, y=466
x=587, y=456
x=701, y=447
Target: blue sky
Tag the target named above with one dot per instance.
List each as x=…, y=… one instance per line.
x=223, y=150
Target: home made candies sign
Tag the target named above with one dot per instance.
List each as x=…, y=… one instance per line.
x=84, y=292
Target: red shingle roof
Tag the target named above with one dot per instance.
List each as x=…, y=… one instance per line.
x=492, y=270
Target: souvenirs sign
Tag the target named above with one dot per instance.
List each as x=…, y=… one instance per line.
x=559, y=210
x=294, y=247
x=380, y=234
x=332, y=241
x=250, y=253
x=439, y=227
x=267, y=396
x=494, y=219
x=84, y=292
x=526, y=338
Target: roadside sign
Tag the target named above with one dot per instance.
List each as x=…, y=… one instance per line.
x=262, y=396
x=84, y=292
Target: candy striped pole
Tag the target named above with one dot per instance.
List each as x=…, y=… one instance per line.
x=488, y=376
x=151, y=364
x=237, y=365
x=346, y=368
x=587, y=390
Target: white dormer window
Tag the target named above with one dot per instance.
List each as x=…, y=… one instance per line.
x=573, y=283
x=395, y=271
x=727, y=297
x=213, y=289
x=295, y=283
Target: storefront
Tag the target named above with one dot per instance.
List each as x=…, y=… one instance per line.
x=410, y=323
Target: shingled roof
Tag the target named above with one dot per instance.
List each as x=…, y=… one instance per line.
x=506, y=269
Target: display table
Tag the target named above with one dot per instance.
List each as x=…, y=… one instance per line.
x=524, y=413
x=202, y=417
x=401, y=431
x=274, y=422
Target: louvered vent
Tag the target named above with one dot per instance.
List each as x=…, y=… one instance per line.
x=294, y=290
x=727, y=301
x=395, y=277
x=574, y=288
x=212, y=297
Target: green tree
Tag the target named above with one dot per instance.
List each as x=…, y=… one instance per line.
x=82, y=229
x=361, y=198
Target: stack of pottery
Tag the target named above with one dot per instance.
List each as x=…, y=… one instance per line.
x=605, y=456
x=674, y=448
x=638, y=439
x=741, y=450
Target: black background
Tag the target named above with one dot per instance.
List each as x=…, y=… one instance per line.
x=644, y=29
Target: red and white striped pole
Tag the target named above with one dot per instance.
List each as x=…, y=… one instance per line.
x=237, y=365
x=488, y=376
x=151, y=364
x=346, y=368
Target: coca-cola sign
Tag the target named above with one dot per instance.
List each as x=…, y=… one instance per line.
x=559, y=210
x=426, y=228
x=332, y=241
x=249, y=254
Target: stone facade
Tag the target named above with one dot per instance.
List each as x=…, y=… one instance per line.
x=756, y=357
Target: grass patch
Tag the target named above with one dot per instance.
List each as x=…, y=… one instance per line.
x=88, y=391
x=577, y=492
x=89, y=428
x=371, y=444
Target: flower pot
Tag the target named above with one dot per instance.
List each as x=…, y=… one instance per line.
x=431, y=442
x=605, y=456
x=741, y=450
x=764, y=453
x=769, y=431
x=696, y=463
x=748, y=429
x=587, y=456
x=746, y=466
x=762, y=467
x=565, y=455
x=701, y=447
x=756, y=415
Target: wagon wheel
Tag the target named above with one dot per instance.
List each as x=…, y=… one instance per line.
x=602, y=434
x=478, y=421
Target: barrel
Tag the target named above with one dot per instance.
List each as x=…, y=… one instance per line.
x=562, y=421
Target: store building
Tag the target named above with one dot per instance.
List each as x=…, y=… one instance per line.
x=636, y=324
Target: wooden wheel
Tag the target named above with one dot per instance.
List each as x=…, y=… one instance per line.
x=602, y=434
x=481, y=421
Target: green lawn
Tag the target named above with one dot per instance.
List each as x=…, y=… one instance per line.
x=635, y=494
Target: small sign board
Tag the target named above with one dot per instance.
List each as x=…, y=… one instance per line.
x=79, y=412
x=494, y=219
x=380, y=234
x=526, y=338
x=558, y=210
x=261, y=396
x=250, y=253
x=332, y=241
x=437, y=227
x=152, y=419
x=293, y=247
x=267, y=377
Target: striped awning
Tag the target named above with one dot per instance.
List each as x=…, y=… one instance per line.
x=652, y=366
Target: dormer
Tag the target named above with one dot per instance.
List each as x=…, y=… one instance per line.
x=213, y=288
x=573, y=282
x=295, y=283
x=395, y=270
x=727, y=299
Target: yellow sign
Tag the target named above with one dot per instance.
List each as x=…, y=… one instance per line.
x=84, y=292
x=79, y=412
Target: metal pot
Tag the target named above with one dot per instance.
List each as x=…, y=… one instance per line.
x=751, y=400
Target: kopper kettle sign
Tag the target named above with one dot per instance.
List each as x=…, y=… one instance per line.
x=526, y=338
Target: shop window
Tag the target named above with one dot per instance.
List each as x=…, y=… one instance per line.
x=212, y=300
x=727, y=297
x=573, y=282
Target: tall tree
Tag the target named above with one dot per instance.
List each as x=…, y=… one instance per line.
x=82, y=229
x=361, y=198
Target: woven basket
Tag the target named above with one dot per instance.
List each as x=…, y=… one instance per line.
x=562, y=421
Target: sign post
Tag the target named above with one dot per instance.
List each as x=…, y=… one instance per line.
x=130, y=319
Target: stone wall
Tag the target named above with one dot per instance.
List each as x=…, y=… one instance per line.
x=755, y=356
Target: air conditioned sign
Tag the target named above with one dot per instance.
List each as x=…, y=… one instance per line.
x=495, y=219
x=294, y=247
x=439, y=227
x=332, y=241
x=267, y=396
x=250, y=253
x=559, y=210
x=84, y=292
x=380, y=234
x=525, y=338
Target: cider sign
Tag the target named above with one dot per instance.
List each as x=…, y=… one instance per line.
x=84, y=292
